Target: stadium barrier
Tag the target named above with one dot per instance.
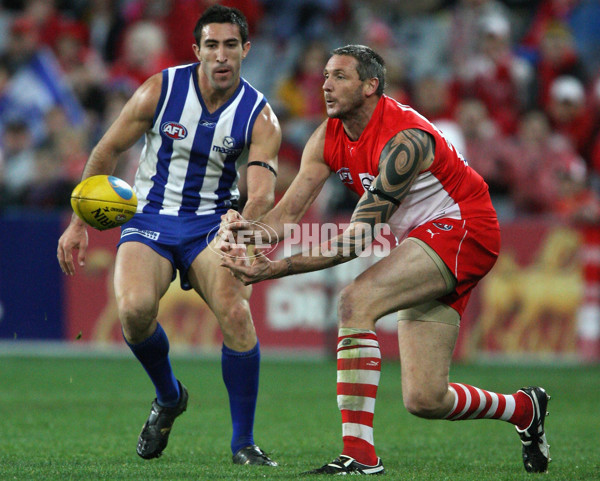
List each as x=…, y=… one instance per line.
x=527, y=306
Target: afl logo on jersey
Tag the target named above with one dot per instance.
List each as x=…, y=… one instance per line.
x=345, y=175
x=174, y=130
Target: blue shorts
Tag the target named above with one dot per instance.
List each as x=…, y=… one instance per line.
x=178, y=239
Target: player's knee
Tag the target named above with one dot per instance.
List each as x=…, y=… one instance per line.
x=137, y=315
x=236, y=326
x=352, y=307
x=424, y=404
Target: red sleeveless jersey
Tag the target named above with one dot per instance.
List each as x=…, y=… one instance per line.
x=448, y=188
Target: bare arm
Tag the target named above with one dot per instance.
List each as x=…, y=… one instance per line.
x=297, y=199
x=135, y=118
x=264, y=147
x=133, y=121
x=404, y=156
x=305, y=187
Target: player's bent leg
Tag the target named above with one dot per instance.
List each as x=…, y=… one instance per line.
x=407, y=276
x=227, y=297
x=525, y=409
x=141, y=278
x=425, y=350
x=425, y=354
x=240, y=360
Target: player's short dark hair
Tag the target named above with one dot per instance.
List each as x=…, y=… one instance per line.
x=221, y=14
x=370, y=63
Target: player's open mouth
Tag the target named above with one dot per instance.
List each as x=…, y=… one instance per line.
x=222, y=71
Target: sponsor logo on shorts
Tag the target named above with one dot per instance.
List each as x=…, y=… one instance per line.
x=441, y=226
x=345, y=176
x=174, y=130
x=149, y=234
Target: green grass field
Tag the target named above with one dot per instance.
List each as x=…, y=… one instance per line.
x=79, y=418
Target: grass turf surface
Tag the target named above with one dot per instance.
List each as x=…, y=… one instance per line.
x=79, y=418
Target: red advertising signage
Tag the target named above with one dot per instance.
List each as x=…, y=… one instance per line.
x=528, y=304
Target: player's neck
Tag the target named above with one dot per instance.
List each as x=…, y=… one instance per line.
x=356, y=122
x=214, y=98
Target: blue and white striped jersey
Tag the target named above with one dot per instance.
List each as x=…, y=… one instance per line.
x=189, y=163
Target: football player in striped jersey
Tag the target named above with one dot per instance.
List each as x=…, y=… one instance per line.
x=201, y=123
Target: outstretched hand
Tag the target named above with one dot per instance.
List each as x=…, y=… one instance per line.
x=248, y=270
x=231, y=223
x=75, y=237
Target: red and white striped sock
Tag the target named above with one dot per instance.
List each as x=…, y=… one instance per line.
x=474, y=403
x=358, y=372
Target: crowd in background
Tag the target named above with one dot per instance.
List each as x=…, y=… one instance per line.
x=515, y=85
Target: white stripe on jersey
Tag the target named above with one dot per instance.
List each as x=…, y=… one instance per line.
x=178, y=170
x=188, y=168
x=217, y=159
x=146, y=170
x=426, y=201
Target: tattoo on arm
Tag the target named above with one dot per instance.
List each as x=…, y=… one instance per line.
x=403, y=157
x=401, y=160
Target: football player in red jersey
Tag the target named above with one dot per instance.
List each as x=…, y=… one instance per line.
x=440, y=211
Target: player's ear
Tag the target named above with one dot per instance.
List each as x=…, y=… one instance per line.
x=196, y=50
x=245, y=49
x=370, y=86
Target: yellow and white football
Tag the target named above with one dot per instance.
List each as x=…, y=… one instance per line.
x=104, y=201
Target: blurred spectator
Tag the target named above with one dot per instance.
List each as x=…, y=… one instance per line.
x=144, y=53
x=421, y=32
x=482, y=144
x=49, y=187
x=19, y=162
x=594, y=163
x=379, y=35
x=579, y=205
x=5, y=22
x=307, y=19
x=537, y=161
x=105, y=24
x=570, y=115
x=432, y=98
x=83, y=67
x=582, y=18
x=464, y=36
x=496, y=75
x=300, y=104
x=69, y=144
x=301, y=93
x=557, y=57
x=103, y=49
x=45, y=19
x=36, y=83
